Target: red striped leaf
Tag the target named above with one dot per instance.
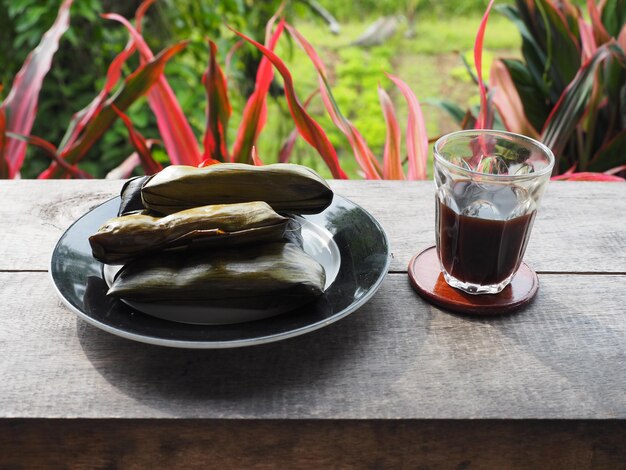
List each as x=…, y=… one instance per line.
x=617, y=169
x=150, y=166
x=572, y=104
x=481, y=122
x=392, y=166
x=125, y=169
x=571, y=169
x=416, y=136
x=218, y=109
x=362, y=153
x=141, y=12
x=81, y=118
x=269, y=27
x=231, y=53
x=4, y=164
x=21, y=104
x=600, y=33
x=114, y=74
x=178, y=138
x=208, y=162
x=286, y=149
x=50, y=151
x=621, y=39
x=288, y=145
x=508, y=102
x=135, y=85
x=588, y=176
x=310, y=130
x=256, y=160
x=587, y=40
x=255, y=112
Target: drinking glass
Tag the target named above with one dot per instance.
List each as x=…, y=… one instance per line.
x=489, y=185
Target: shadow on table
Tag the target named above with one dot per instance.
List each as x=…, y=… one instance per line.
x=570, y=339
x=153, y=373
x=367, y=352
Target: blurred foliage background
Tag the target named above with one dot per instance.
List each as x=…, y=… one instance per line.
x=425, y=50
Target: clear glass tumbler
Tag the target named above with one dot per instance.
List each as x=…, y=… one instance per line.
x=489, y=184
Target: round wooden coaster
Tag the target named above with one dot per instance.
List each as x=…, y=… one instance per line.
x=427, y=279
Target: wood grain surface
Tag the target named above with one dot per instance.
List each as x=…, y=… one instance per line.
x=395, y=358
x=315, y=444
x=397, y=384
x=579, y=228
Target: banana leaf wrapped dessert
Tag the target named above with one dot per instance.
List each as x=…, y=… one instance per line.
x=286, y=187
x=123, y=238
x=274, y=276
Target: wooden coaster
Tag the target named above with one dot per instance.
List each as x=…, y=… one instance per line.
x=427, y=279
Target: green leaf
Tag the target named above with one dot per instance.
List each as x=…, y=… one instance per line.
x=614, y=78
x=562, y=48
x=614, y=16
x=610, y=155
x=29, y=19
x=533, y=100
x=455, y=111
x=532, y=51
x=136, y=85
x=17, y=7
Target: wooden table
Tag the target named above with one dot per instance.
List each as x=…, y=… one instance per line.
x=396, y=384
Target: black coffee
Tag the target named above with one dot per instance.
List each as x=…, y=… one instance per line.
x=484, y=241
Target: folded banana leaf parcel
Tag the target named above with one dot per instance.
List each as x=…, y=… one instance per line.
x=274, y=276
x=285, y=187
x=123, y=238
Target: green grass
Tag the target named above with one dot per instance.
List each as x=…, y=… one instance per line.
x=434, y=35
x=457, y=34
